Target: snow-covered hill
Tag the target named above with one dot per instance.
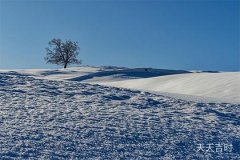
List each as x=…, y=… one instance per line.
x=221, y=87
x=48, y=119
x=192, y=86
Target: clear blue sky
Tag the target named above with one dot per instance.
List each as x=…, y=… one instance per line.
x=193, y=35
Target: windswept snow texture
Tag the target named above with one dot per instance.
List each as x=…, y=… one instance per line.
x=44, y=119
x=116, y=74
x=198, y=86
x=223, y=87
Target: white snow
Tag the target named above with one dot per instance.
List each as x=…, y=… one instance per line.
x=49, y=119
x=222, y=86
x=198, y=86
x=57, y=74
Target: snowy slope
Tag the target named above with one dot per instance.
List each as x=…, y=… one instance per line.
x=222, y=86
x=199, y=87
x=97, y=74
x=57, y=74
x=45, y=119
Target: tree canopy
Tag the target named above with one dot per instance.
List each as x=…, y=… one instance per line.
x=62, y=53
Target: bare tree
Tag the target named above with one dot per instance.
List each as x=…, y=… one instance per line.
x=62, y=53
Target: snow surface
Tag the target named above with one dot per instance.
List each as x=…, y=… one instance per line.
x=224, y=87
x=198, y=86
x=46, y=119
x=57, y=74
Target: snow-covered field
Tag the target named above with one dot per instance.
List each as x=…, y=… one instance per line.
x=64, y=114
x=222, y=87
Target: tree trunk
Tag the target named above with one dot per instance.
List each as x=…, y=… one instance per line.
x=65, y=65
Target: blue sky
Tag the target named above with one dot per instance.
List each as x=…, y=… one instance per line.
x=192, y=35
